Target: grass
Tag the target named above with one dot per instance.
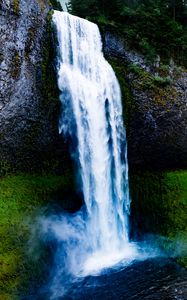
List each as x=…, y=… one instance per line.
x=21, y=198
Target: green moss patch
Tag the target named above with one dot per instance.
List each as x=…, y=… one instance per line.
x=21, y=199
x=16, y=65
x=159, y=206
x=15, y=5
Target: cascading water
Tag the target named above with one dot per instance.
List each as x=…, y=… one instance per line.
x=92, y=101
x=97, y=236
x=64, y=4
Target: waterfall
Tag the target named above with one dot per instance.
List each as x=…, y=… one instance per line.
x=64, y=4
x=92, y=118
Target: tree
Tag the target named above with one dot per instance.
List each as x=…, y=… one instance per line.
x=151, y=26
x=85, y=8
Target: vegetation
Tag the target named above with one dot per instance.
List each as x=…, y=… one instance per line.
x=15, y=5
x=16, y=65
x=159, y=207
x=55, y=4
x=152, y=27
x=22, y=199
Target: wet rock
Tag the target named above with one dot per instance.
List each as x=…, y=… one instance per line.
x=157, y=108
x=28, y=110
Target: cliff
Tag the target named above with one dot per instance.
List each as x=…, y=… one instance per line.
x=154, y=97
x=155, y=105
x=29, y=106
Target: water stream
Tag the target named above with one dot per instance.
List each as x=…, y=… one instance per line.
x=92, y=117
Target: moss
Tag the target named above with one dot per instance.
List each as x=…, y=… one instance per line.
x=183, y=260
x=30, y=39
x=16, y=65
x=147, y=81
x=22, y=196
x=5, y=167
x=15, y=5
x=159, y=206
x=166, y=97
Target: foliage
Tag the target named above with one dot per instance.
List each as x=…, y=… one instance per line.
x=55, y=4
x=152, y=27
x=162, y=81
x=22, y=198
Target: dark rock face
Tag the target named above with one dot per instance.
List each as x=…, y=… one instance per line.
x=29, y=105
x=28, y=115
x=157, y=125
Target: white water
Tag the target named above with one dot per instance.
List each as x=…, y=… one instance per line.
x=97, y=237
x=64, y=4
